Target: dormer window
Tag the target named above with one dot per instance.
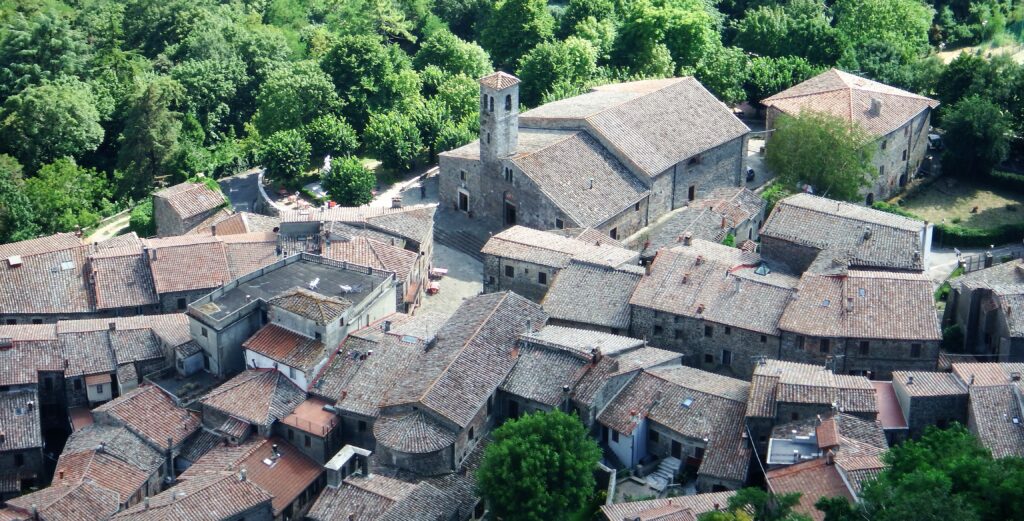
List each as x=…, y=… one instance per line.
x=508, y=103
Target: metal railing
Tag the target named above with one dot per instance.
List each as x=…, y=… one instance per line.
x=976, y=262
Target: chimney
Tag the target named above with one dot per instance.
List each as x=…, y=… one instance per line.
x=687, y=239
x=529, y=326
x=152, y=254
x=213, y=230
x=242, y=474
x=700, y=308
x=396, y=202
x=699, y=261
x=796, y=455
x=867, y=232
x=1015, y=376
x=910, y=379
x=369, y=353
x=145, y=503
x=988, y=259
x=686, y=278
x=102, y=448
x=30, y=405
x=590, y=184
x=830, y=457
x=277, y=453
x=595, y=355
x=876, y=107
x=112, y=326
x=386, y=326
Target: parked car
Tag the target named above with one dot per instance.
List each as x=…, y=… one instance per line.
x=750, y=175
x=934, y=142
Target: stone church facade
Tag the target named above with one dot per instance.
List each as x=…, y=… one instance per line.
x=613, y=159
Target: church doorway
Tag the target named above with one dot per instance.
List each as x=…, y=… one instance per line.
x=510, y=214
x=463, y=201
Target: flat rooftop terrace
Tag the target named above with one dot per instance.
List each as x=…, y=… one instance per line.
x=334, y=279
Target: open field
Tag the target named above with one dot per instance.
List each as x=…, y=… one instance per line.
x=952, y=199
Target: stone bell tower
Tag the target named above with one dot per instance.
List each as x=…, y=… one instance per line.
x=499, y=116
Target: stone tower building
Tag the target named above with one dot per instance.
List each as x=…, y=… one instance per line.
x=499, y=116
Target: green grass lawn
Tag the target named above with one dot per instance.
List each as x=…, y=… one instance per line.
x=954, y=200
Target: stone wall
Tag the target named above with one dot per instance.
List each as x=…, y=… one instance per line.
x=706, y=345
x=525, y=279
x=427, y=464
x=923, y=411
x=627, y=222
x=795, y=256
x=31, y=464
x=319, y=448
x=719, y=167
x=900, y=154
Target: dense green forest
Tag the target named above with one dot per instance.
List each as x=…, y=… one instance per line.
x=103, y=100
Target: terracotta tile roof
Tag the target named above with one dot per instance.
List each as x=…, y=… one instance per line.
x=864, y=304
x=415, y=223
x=248, y=252
x=1005, y=274
x=698, y=503
x=734, y=204
x=215, y=217
x=47, y=244
x=152, y=414
x=650, y=124
x=927, y=383
x=195, y=447
x=357, y=381
x=590, y=235
x=21, y=362
x=47, y=283
x=29, y=331
x=365, y=497
x=716, y=283
x=813, y=479
x=287, y=347
x=697, y=221
x=992, y=414
x=540, y=374
x=415, y=432
x=87, y=353
x=189, y=199
x=80, y=417
x=776, y=381
x=118, y=442
x=373, y=253
x=841, y=230
x=471, y=355
x=259, y=397
x=499, y=80
x=134, y=345
x=84, y=500
x=1010, y=298
x=579, y=175
x=102, y=470
x=850, y=98
x=582, y=341
x=549, y=249
x=982, y=374
x=187, y=263
x=311, y=417
x=309, y=304
x=232, y=428
x=424, y=503
x=121, y=278
x=19, y=421
x=605, y=292
x=210, y=497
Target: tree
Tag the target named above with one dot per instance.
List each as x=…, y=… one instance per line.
x=394, y=139
x=210, y=88
x=462, y=16
x=285, y=154
x=900, y=24
x=37, y=48
x=370, y=77
x=141, y=219
x=539, y=467
x=294, y=95
x=754, y=504
x=724, y=72
x=452, y=54
x=577, y=11
x=65, y=196
x=686, y=28
x=768, y=76
x=348, y=182
x=572, y=62
x=149, y=143
x=795, y=28
x=977, y=137
x=515, y=27
x=332, y=135
x=823, y=151
x=49, y=121
x=15, y=208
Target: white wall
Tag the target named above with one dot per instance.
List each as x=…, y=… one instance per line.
x=630, y=449
x=254, y=359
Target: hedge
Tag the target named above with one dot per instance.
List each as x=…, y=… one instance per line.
x=1007, y=180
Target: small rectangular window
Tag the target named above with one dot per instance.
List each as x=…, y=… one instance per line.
x=881, y=171
x=510, y=271
x=865, y=348
x=19, y=460
x=542, y=278
x=202, y=331
x=636, y=207
x=709, y=359
x=764, y=339
x=728, y=330
x=885, y=143
x=78, y=385
x=99, y=388
x=824, y=345
x=37, y=321
x=799, y=342
x=462, y=175
x=652, y=435
x=560, y=224
x=692, y=193
x=508, y=174
x=678, y=334
x=470, y=433
x=915, y=350
x=658, y=330
x=794, y=416
x=615, y=436
x=904, y=154
x=362, y=426
x=307, y=441
x=709, y=331
x=614, y=233
x=182, y=303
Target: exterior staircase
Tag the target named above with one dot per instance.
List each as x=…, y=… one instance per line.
x=460, y=240
x=665, y=474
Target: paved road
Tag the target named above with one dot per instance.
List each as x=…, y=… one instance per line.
x=242, y=190
x=942, y=261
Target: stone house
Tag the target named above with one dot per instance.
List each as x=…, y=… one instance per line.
x=232, y=498
x=223, y=320
x=527, y=261
x=440, y=408
x=930, y=398
x=604, y=290
x=811, y=233
x=249, y=404
x=613, y=159
x=982, y=303
x=726, y=211
x=682, y=413
x=312, y=429
x=783, y=392
x=21, y=445
x=863, y=322
x=898, y=121
x=182, y=207
x=719, y=306
x=995, y=412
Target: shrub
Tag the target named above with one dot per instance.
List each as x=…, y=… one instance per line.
x=141, y=221
x=962, y=236
x=953, y=339
x=892, y=208
x=1008, y=181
